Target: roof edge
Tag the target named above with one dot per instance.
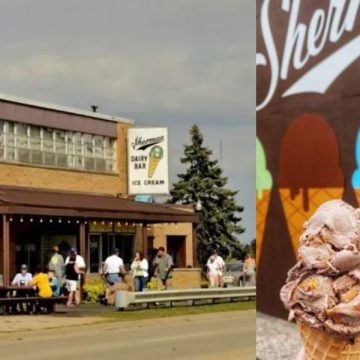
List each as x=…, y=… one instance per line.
x=64, y=109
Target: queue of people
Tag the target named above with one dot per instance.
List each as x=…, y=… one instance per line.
x=141, y=269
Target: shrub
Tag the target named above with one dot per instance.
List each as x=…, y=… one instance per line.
x=94, y=289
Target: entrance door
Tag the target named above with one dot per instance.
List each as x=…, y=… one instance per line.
x=176, y=247
x=95, y=253
x=123, y=242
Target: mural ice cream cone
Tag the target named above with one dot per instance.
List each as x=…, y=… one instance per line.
x=295, y=213
x=263, y=190
x=155, y=156
x=309, y=171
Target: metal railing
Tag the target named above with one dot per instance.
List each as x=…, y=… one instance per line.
x=123, y=299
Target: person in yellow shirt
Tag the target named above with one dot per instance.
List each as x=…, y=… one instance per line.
x=42, y=283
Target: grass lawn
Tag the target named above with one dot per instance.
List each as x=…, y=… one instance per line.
x=177, y=311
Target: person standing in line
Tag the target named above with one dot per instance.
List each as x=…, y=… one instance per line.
x=56, y=263
x=140, y=268
x=220, y=265
x=212, y=272
x=249, y=270
x=163, y=265
x=72, y=278
x=81, y=268
x=113, y=269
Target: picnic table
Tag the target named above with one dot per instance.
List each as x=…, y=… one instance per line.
x=23, y=299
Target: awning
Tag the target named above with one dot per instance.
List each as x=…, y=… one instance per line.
x=43, y=202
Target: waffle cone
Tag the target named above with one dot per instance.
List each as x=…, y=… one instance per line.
x=152, y=166
x=321, y=346
x=262, y=207
x=295, y=213
x=357, y=194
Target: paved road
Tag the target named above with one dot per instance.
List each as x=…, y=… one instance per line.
x=218, y=336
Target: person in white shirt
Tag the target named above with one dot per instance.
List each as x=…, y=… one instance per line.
x=113, y=269
x=216, y=269
x=23, y=278
x=140, y=268
x=79, y=262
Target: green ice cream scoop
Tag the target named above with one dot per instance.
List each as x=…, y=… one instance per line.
x=156, y=152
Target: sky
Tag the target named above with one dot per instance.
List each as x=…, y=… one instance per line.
x=158, y=62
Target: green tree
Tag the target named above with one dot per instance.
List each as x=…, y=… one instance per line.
x=219, y=215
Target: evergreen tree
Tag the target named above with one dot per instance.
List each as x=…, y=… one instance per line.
x=204, y=182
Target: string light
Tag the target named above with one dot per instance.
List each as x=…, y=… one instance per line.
x=126, y=224
x=103, y=223
x=51, y=220
x=85, y=222
x=41, y=220
x=11, y=219
x=69, y=221
x=60, y=221
x=31, y=219
x=21, y=219
x=78, y=221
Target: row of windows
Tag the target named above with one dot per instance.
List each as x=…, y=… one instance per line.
x=39, y=145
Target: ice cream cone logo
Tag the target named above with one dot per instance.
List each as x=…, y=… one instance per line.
x=263, y=190
x=309, y=171
x=155, y=155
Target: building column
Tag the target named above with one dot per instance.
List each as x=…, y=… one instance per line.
x=144, y=240
x=6, y=249
x=82, y=242
x=195, y=245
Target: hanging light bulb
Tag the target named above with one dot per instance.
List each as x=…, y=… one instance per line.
x=78, y=221
x=126, y=224
x=31, y=219
x=69, y=221
x=85, y=222
x=11, y=219
x=21, y=219
x=60, y=221
x=134, y=224
x=103, y=223
x=51, y=220
x=41, y=220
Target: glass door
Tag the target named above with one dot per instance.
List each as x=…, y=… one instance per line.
x=95, y=253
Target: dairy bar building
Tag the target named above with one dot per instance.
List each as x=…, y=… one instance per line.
x=64, y=182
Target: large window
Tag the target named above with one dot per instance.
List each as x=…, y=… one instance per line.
x=67, y=149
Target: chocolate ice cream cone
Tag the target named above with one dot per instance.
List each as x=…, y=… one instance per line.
x=262, y=207
x=322, y=346
x=295, y=213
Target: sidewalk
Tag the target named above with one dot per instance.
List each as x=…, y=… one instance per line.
x=276, y=339
x=63, y=317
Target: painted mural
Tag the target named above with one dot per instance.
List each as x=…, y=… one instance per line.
x=263, y=189
x=308, y=125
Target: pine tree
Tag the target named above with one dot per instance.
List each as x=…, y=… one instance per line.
x=204, y=182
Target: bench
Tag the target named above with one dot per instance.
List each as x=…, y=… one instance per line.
x=34, y=303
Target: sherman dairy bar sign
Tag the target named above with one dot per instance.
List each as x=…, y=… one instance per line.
x=306, y=41
x=148, y=161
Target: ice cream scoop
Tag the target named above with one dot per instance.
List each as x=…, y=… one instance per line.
x=323, y=289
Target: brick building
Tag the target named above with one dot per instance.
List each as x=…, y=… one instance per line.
x=63, y=181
